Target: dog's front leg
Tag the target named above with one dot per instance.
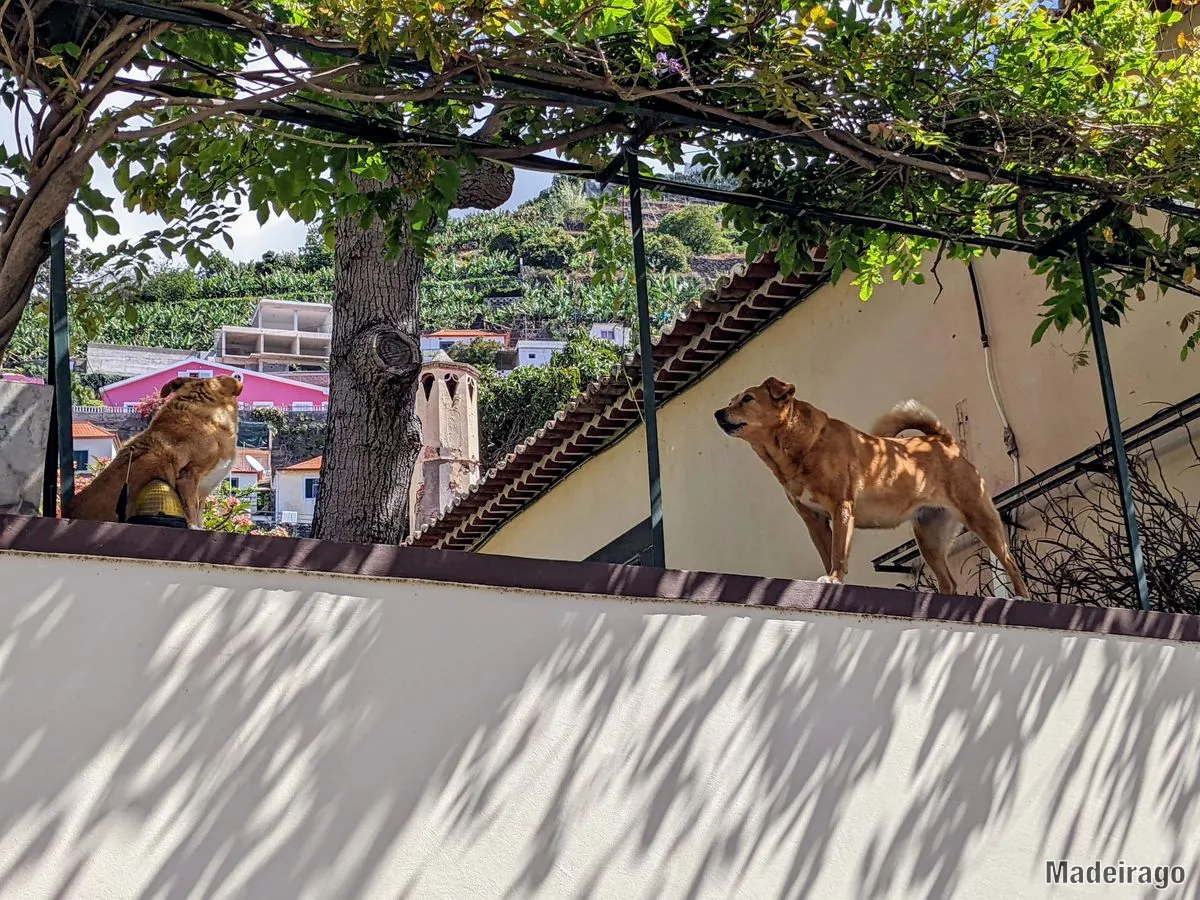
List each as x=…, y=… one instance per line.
x=818, y=530
x=187, y=485
x=841, y=522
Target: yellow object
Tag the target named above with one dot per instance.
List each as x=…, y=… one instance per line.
x=157, y=498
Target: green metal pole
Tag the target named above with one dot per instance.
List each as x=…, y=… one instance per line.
x=646, y=349
x=1115, y=435
x=60, y=457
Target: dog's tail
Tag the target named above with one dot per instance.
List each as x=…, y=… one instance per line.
x=911, y=415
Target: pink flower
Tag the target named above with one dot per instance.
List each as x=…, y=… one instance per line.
x=242, y=521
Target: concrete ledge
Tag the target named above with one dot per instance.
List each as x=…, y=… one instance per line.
x=138, y=542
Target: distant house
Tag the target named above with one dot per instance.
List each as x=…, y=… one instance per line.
x=90, y=443
x=537, y=353
x=296, y=489
x=125, y=362
x=260, y=388
x=282, y=334
x=613, y=332
x=447, y=338
x=251, y=469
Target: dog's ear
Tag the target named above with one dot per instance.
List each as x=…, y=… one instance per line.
x=172, y=386
x=779, y=390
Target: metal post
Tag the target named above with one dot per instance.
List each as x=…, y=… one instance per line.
x=1116, y=437
x=646, y=349
x=60, y=457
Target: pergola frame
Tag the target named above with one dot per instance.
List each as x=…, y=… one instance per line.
x=1070, y=241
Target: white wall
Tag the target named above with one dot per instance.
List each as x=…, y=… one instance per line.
x=289, y=495
x=174, y=731
x=109, y=359
x=724, y=511
x=537, y=353
x=96, y=447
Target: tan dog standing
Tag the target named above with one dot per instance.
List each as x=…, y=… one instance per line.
x=190, y=445
x=838, y=478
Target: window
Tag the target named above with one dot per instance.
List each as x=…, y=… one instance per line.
x=234, y=482
x=129, y=407
x=532, y=355
x=81, y=460
x=302, y=406
x=205, y=373
x=445, y=345
x=310, y=488
x=607, y=334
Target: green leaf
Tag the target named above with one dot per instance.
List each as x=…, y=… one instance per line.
x=1040, y=331
x=662, y=35
x=108, y=224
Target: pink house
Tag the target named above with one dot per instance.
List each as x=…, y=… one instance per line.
x=260, y=389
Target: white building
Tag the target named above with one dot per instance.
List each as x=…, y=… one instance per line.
x=537, y=353
x=90, y=443
x=281, y=335
x=296, y=490
x=446, y=338
x=613, y=332
x=113, y=359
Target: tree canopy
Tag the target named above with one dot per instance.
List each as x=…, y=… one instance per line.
x=984, y=118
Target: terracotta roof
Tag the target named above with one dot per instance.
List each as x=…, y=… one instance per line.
x=308, y=465
x=739, y=306
x=499, y=336
x=88, y=430
x=242, y=467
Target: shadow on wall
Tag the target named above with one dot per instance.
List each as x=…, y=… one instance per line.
x=434, y=741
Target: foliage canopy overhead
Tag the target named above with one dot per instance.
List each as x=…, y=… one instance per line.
x=997, y=118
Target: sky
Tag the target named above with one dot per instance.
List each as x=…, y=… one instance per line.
x=250, y=240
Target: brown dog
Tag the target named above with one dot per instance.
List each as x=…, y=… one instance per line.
x=190, y=444
x=837, y=477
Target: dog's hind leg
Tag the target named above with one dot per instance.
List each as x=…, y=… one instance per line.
x=934, y=529
x=981, y=517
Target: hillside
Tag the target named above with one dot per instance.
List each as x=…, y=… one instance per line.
x=532, y=270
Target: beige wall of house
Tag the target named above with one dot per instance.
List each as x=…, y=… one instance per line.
x=179, y=730
x=290, y=494
x=723, y=511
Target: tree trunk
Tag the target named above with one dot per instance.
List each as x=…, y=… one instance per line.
x=23, y=246
x=373, y=436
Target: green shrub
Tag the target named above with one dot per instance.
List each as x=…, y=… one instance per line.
x=666, y=253
x=511, y=235
x=552, y=249
x=172, y=285
x=316, y=254
x=513, y=406
x=698, y=227
x=480, y=353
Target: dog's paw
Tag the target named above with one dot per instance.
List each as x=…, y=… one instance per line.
x=828, y=579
